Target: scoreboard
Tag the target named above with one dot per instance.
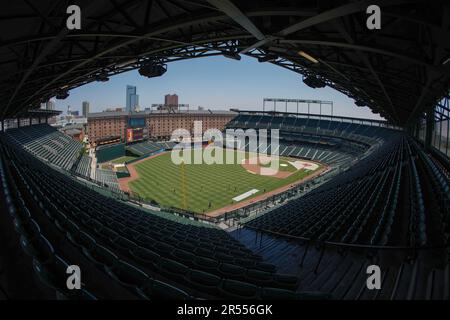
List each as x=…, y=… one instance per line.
x=136, y=129
x=136, y=134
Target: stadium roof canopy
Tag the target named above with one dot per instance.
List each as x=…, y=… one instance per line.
x=398, y=71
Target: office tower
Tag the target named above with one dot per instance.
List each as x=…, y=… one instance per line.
x=85, y=108
x=132, y=99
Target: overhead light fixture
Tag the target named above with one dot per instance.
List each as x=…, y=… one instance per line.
x=308, y=57
x=152, y=70
x=267, y=57
x=360, y=103
x=314, y=82
x=102, y=77
x=231, y=55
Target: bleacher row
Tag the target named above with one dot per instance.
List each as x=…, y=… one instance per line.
x=305, y=152
x=331, y=142
x=147, y=147
x=354, y=131
x=107, y=178
x=372, y=203
x=83, y=166
x=146, y=255
x=316, y=153
x=47, y=143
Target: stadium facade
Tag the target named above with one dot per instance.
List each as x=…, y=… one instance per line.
x=156, y=124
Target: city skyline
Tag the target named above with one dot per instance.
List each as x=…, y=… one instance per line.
x=213, y=83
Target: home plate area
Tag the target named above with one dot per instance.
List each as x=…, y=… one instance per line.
x=299, y=164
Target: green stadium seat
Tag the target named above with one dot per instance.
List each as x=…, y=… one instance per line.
x=39, y=248
x=158, y=290
x=101, y=256
x=123, y=245
x=285, y=281
x=72, y=232
x=163, y=248
x=204, y=281
x=173, y=269
x=146, y=257
x=259, y=277
x=183, y=256
x=30, y=229
x=224, y=257
x=128, y=275
x=206, y=264
x=86, y=241
x=238, y=290
x=204, y=252
x=267, y=267
x=232, y=271
x=52, y=274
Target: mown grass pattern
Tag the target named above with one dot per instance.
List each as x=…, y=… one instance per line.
x=122, y=159
x=208, y=187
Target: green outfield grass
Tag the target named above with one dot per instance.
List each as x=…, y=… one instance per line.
x=208, y=187
x=123, y=159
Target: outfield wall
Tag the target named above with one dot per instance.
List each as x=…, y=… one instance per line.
x=123, y=174
x=145, y=156
x=107, y=153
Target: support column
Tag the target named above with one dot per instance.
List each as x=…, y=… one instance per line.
x=429, y=128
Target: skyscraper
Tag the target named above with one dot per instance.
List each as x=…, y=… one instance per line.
x=85, y=108
x=132, y=99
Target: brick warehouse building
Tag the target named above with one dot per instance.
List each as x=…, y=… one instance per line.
x=157, y=124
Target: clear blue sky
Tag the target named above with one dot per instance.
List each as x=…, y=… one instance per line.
x=214, y=83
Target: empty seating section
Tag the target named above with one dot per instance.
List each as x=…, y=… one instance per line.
x=107, y=178
x=83, y=166
x=47, y=143
x=146, y=255
x=372, y=202
x=311, y=152
x=315, y=153
x=148, y=147
x=335, y=143
x=394, y=194
x=290, y=123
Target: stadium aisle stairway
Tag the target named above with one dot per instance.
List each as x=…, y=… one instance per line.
x=341, y=273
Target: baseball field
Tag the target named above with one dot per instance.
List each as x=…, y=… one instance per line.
x=205, y=188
